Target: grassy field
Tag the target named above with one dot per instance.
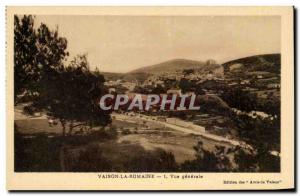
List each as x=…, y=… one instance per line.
x=115, y=150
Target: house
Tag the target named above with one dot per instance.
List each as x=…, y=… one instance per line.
x=235, y=67
x=174, y=91
x=245, y=82
x=233, y=84
x=209, y=76
x=211, y=62
x=273, y=85
x=129, y=85
x=185, y=124
x=190, y=93
x=111, y=90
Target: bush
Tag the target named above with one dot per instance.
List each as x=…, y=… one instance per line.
x=207, y=161
x=123, y=157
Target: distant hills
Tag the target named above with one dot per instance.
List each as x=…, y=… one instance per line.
x=267, y=62
x=130, y=77
x=170, y=66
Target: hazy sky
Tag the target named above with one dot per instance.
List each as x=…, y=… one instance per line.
x=124, y=43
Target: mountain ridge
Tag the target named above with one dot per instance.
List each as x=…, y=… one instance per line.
x=262, y=62
x=170, y=66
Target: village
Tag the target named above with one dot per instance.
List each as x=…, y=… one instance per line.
x=167, y=112
x=208, y=82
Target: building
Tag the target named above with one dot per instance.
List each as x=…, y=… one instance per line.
x=185, y=124
x=235, y=67
x=111, y=90
x=190, y=93
x=273, y=85
x=174, y=91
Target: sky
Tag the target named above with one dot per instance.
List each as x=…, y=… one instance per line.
x=125, y=43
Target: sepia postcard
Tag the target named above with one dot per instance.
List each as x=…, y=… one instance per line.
x=150, y=98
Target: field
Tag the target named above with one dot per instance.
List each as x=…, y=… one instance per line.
x=130, y=137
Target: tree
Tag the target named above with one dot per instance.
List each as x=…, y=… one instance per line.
x=185, y=85
x=245, y=161
x=159, y=89
x=188, y=71
x=206, y=161
x=258, y=132
x=35, y=52
x=270, y=105
x=72, y=94
x=240, y=99
x=263, y=134
x=67, y=93
x=25, y=50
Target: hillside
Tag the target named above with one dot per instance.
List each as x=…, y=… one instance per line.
x=213, y=104
x=267, y=62
x=128, y=77
x=112, y=76
x=170, y=66
x=258, y=63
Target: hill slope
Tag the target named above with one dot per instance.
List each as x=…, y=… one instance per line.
x=170, y=66
x=132, y=77
x=267, y=62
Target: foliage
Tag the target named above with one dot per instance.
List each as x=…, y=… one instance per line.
x=207, y=161
x=263, y=134
x=159, y=89
x=35, y=50
x=268, y=62
x=43, y=154
x=271, y=106
x=95, y=158
x=240, y=99
x=141, y=90
x=188, y=71
x=71, y=94
x=246, y=101
x=259, y=132
x=185, y=85
x=38, y=154
x=67, y=93
x=260, y=161
x=213, y=104
x=245, y=161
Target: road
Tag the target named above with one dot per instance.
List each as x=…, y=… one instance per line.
x=182, y=129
